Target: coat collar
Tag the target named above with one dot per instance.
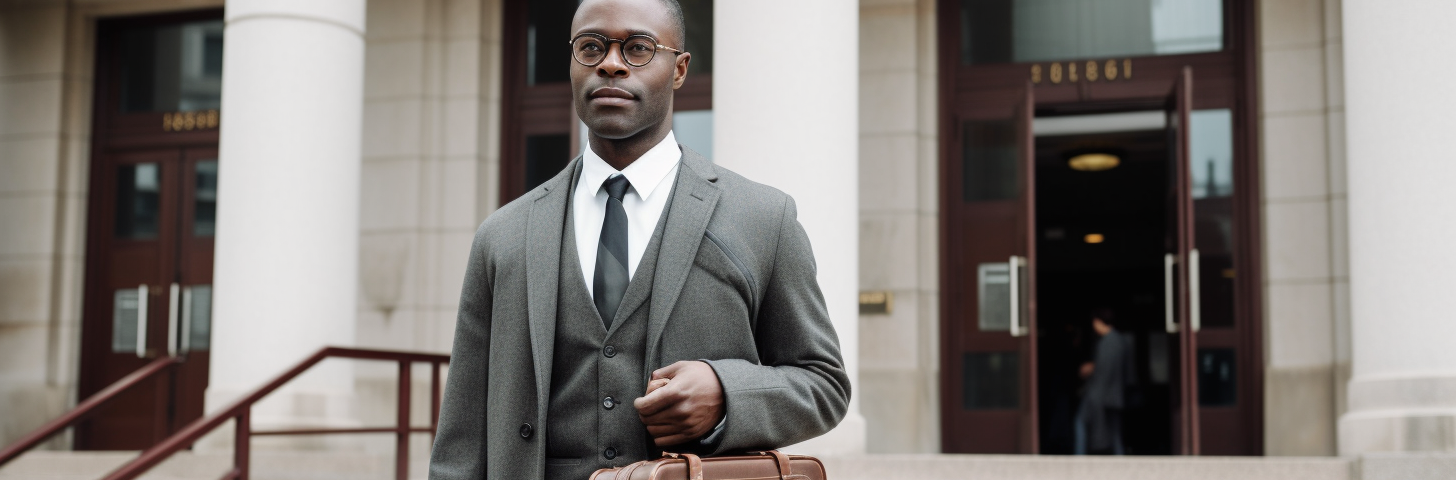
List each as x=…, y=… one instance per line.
x=694, y=198
x=544, y=228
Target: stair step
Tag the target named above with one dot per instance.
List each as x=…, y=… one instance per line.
x=265, y=465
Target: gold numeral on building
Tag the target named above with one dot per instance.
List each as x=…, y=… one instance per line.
x=185, y=121
x=1092, y=71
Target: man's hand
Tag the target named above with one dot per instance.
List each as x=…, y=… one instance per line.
x=1086, y=370
x=684, y=401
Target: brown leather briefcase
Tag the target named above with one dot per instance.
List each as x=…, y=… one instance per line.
x=686, y=466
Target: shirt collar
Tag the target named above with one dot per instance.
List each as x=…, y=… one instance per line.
x=645, y=174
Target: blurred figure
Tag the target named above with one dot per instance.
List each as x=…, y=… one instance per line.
x=1099, y=418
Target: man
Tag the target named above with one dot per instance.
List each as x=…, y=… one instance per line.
x=642, y=300
x=1099, y=419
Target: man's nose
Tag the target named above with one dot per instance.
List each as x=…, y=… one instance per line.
x=613, y=65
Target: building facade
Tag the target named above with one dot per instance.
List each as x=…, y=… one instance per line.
x=246, y=181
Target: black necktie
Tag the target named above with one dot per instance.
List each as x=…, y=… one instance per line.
x=609, y=283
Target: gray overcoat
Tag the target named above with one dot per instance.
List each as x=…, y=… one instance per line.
x=734, y=284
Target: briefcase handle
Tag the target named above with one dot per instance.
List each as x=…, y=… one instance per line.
x=695, y=464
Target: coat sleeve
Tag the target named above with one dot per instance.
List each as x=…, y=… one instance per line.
x=800, y=389
x=460, y=442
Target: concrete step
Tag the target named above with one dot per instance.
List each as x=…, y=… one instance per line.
x=328, y=465
x=265, y=465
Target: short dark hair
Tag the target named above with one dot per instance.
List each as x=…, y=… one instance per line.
x=679, y=22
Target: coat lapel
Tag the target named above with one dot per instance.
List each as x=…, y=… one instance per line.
x=543, y=265
x=693, y=200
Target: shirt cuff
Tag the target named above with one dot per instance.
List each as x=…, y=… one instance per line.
x=713, y=435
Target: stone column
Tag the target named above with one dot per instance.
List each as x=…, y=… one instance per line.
x=287, y=261
x=786, y=113
x=1402, y=394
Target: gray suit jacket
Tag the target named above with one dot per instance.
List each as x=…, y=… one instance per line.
x=734, y=284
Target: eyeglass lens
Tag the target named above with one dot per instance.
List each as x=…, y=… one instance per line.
x=637, y=50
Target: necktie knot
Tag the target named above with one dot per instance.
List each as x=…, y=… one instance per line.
x=616, y=186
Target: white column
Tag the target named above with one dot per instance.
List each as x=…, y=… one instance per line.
x=1402, y=394
x=286, y=270
x=786, y=114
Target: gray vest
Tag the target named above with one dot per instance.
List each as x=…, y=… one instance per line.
x=596, y=373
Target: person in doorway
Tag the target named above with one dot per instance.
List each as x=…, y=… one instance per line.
x=1099, y=417
x=643, y=299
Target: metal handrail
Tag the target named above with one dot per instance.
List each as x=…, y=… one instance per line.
x=86, y=407
x=241, y=410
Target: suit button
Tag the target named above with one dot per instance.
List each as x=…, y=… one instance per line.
x=609, y=453
x=609, y=402
x=526, y=430
x=609, y=351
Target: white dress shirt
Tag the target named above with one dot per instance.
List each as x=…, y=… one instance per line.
x=651, y=176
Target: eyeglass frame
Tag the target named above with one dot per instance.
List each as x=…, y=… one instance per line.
x=621, y=43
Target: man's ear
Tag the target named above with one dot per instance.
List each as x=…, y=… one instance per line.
x=680, y=73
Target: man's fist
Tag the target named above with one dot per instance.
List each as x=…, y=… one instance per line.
x=684, y=401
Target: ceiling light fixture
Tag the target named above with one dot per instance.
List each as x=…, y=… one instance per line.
x=1094, y=162
x=1093, y=238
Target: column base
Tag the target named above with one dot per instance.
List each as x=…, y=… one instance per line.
x=1400, y=414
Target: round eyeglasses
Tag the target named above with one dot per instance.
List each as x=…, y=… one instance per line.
x=589, y=49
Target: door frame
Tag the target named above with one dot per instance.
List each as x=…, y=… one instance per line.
x=1224, y=79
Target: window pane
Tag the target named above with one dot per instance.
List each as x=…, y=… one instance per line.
x=172, y=67
x=994, y=297
x=992, y=381
x=204, y=210
x=1004, y=31
x=138, y=201
x=546, y=155
x=1216, y=377
x=1211, y=157
x=694, y=128
x=548, y=37
x=989, y=161
x=698, y=16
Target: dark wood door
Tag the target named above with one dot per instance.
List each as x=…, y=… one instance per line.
x=148, y=294
x=1181, y=267
x=150, y=222
x=989, y=368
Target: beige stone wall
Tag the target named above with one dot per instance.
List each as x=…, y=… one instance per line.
x=899, y=356
x=42, y=205
x=1307, y=319
x=430, y=166
x=46, y=57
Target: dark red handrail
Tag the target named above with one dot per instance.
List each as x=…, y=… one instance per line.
x=86, y=407
x=240, y=411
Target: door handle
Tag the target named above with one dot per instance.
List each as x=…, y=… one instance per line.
x=186, y=321
x=141, y=321
x=1195, y=315
x=1170, y=322
x=172, y=301
x=1015, y=280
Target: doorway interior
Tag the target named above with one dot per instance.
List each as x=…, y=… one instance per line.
x=1101, y=235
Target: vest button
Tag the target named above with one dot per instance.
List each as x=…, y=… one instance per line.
x=609, y=453
x=609, y=351
x=609, y=402
x=526, y=430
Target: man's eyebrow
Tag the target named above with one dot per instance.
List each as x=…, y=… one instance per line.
x=630, y=32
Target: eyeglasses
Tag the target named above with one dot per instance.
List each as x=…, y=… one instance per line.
x=589, y=49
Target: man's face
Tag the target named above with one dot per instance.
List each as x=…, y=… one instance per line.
x=617, y=100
